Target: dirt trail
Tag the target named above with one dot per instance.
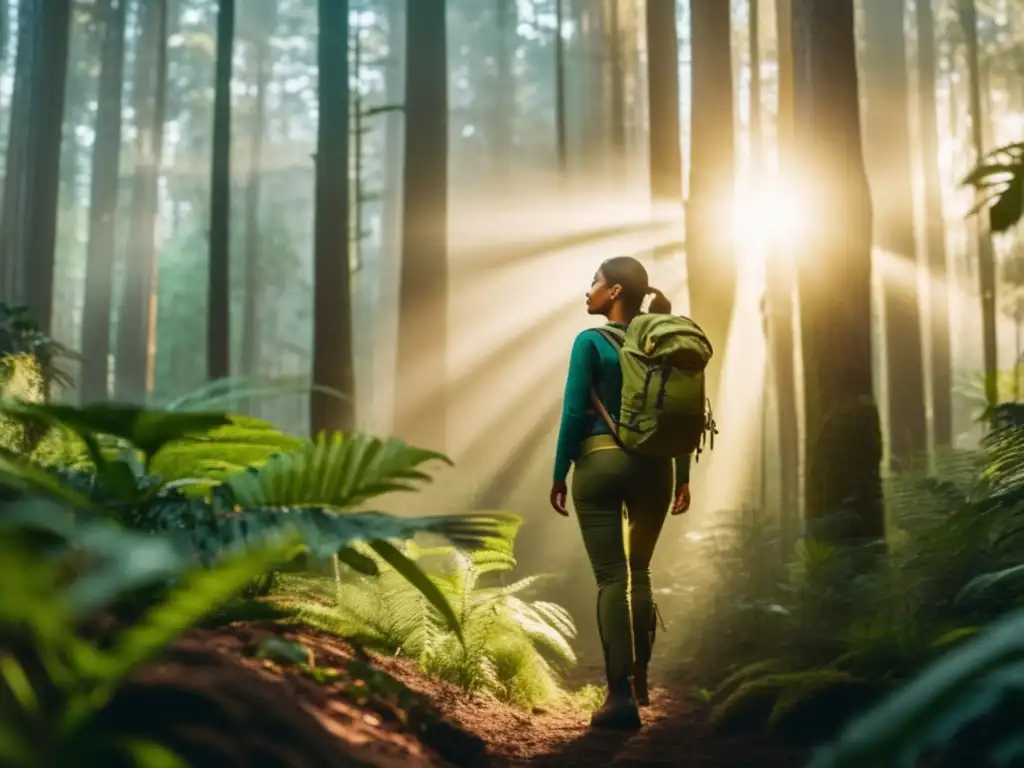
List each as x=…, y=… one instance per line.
x=217, y=703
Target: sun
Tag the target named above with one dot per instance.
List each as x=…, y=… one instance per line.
x=765, y=216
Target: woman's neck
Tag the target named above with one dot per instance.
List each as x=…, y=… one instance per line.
x=618, y=315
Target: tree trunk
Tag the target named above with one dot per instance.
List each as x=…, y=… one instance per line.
x=935, y=229
x=561, y=148
x=28, y=227
x=391, y=220
x=135, y=325
x=754, y=53
x=504, y=89
x=986, y=256
x=844, y=446
x=617, y=89
x=103, y=198
x=710, y=259
x=421, y=382
x=888, y=156
x=333, y=357
x=253, y=298
x=218, y=305
x=666, y=165
x=780, y=282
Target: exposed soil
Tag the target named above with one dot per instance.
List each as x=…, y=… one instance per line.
x=220, y=705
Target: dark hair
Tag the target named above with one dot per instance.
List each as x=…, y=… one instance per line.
x=632, y=276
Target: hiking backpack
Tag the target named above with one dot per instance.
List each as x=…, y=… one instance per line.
x=665, y=410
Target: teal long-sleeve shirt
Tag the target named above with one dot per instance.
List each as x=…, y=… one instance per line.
x=593, y=360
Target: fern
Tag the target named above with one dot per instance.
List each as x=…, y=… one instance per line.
x=512, y=648
x=967, y=685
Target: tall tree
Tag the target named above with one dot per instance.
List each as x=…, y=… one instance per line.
x=890, y=172
x=844, y=447
x=421, y=381
x=218, y=314
x=665, y=157
x=103, y=197
x=393, y=113
x=710, y=260
x=617, y=80
x=333, y=363
x=135, y=326
x=754, y=54
x=561, y=136
x=504, y=87
x=780, y=294
x=935, y=228
x=968, y=16
x=28, y=225
x=262, y=28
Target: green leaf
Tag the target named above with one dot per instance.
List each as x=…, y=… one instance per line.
x=939, y=702
x=417, y=578
x=337, y=472
x=147, y=430
x=358, y=562
x=149, y=754
x=199, y=593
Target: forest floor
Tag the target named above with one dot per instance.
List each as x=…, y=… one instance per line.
x=228, y=697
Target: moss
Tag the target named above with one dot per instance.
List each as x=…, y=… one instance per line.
x=742, y=675
x=800, y=706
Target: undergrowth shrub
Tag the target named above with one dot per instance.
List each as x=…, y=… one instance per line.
x=515, y=649
x=156, y=522
x=954, y=561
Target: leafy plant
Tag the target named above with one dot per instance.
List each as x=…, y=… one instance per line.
x=21, y=335
x=1000, y=180
x=56, y=571
x=970, y=684
x=311, y=490
x=513, y=648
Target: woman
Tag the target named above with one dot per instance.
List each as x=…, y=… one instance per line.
x=608, y=480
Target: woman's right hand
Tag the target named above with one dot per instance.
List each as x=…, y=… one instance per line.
x=559, y=492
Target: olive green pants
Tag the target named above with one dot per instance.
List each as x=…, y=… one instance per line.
x=621, y=501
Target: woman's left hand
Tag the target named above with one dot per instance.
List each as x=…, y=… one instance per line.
x=682, y=499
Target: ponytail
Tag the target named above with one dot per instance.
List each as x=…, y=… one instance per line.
x=660, y=305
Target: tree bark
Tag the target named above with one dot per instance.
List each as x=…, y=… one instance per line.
x=710, y=258
x=333, y=355
x=665, y=156
x=103, y=200
x=780, y=283
x=28, y=226
x=253, y=299
x=844, y=447
x=136, y=320
x=421, y=382
x=218, y=305
x=505, y=89
x=888, y=156
x=561, y=148
x=986, y=256
x=935, y=229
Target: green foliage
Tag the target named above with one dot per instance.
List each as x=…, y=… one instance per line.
x=999, y=178
x=971, y=683
x=311, y=490
x=513, y=648
x=20, y=335
x=56, y=571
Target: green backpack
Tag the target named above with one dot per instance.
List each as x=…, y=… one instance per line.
x=665, y=409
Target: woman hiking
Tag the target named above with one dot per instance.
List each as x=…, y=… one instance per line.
x=607, y=480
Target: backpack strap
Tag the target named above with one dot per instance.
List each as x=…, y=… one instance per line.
x=615, y=337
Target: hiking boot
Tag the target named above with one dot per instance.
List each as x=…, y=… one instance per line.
x=619, y=711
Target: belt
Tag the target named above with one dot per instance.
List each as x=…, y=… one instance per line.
x=598, y=443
